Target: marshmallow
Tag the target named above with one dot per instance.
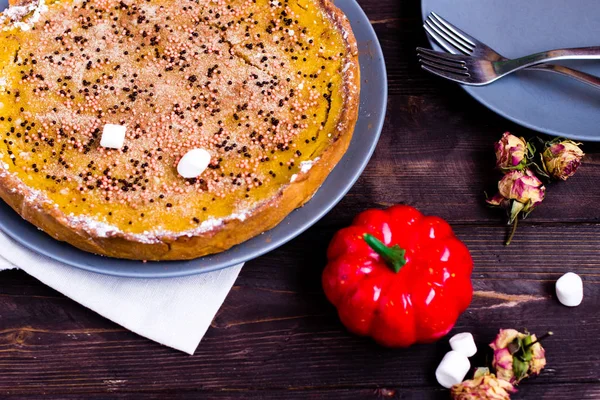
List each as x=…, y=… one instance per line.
x=463, y=343
x=452, y=369
x=569, y=289
x=193, y=163
x=113, y=136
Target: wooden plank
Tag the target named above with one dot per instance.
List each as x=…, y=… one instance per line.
x=559, y=392
x=450, y=175
x=276, y=329
x=398, y=26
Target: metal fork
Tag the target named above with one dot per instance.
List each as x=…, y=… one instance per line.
x=473, y=71
x=456, y=41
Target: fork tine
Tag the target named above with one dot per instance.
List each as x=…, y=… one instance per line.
x=443, y=39
x=455, y=37
x=446, y=75
x=455, y=58
x=439, y=40
x=464, y=36
x=442, y=67
x=441, y=63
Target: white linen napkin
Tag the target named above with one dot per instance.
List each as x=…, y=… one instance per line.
x=175, y=312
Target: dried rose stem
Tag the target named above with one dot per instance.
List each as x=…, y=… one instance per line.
x=512, y=231
x=540, y=339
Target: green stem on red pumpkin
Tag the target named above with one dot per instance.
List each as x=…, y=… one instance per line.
x=512, y=231
x=393, y=256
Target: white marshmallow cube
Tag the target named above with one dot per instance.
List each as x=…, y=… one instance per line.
x=464, y=343
x=193, y=163
x=569, y=289
x=452, y=369
x=113, y=136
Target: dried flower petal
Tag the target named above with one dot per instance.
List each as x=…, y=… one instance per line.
x=522, y=187
x=498, y=201
x=511, y=153
x=517, y=355
x=561, y=159
x=538, y=360
x=484, y=385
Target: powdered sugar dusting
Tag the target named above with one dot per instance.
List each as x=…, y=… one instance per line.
x=17, y=13
x=104, y=230
x=305, y=166
x=93, y=226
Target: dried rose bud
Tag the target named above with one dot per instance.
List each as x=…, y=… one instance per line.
x=519, y=192
x=523, y=187
x=484, y=385
x=511, y=153
x=561, y=159
x=517, y=355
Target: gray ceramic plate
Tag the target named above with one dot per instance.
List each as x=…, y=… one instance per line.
x=538, y=100
x=373, y=102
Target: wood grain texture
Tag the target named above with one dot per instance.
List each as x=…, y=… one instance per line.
x=276, y=337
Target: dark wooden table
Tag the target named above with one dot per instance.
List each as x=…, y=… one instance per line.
x=277, y=337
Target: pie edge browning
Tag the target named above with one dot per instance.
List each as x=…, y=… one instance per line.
x=233, y=231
